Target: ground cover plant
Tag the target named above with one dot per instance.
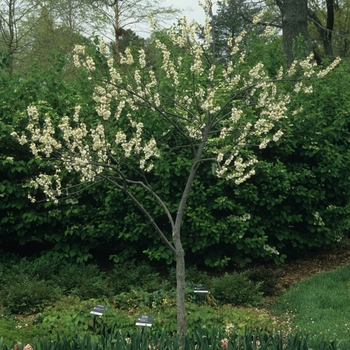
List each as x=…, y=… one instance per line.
x=43, y=296
x=316, y=307
x=320, y=305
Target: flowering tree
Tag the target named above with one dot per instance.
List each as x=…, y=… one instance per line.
x=220, y=113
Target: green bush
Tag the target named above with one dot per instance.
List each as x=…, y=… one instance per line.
x=45, y=267
x=132, y=275
x=42, y=268
x=83, y=281
x=194, y=276
x=266, y=277
x=297, y=200
x=236, y=289
x=31, y=284
x=139, y=299
x=67, y=316
x=28, y=296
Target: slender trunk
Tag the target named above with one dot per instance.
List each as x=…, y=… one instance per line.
x=11, y=42
x=179, y=251
x=180, y=289
x=116, y=33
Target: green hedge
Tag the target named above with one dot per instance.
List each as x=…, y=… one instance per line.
x=298, y=199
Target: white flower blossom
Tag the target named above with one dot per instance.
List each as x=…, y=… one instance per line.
x=234, y=110
x=103, y=48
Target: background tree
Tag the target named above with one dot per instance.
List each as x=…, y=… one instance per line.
x=124, y=15
x=48, y=41
x=325, y=31
x=12, y=15
x=326, y=22
x=296, y=40
x=341, y=35
x=230, y=19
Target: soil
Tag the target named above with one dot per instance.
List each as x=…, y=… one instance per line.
x=299, y=269
x=322, y=260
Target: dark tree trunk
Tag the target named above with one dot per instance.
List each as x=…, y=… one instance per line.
x=296, y=42
x=325, y=32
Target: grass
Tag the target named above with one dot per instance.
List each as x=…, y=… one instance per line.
x=320, y=305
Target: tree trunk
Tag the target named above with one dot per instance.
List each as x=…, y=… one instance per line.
x=116, y=33
x=180, y=289
x=296, y=42
x=325, y=33
x=179, y=251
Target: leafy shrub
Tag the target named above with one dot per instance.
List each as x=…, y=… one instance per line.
x=68, y=316
x=236, y=289
x=194, y=276
x=266, y=277
x=139, y=299
x=29, y=296
x=130, y=275
x=43, y=268
x=84, y=281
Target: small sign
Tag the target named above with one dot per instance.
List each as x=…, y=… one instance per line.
x=144, y=321
x=98, y=310
x=201, y=290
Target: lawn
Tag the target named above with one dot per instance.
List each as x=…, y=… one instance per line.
x=320, y=305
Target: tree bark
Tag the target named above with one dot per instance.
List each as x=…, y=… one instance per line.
x=179, y=251
x=296, y=41
x=325, y=33
x=116, y=34
x=180, y=289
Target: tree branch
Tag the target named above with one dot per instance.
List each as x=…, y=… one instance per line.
x=141, y=208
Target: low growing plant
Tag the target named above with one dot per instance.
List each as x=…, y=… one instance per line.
x=83, y=281
x=266, y=277
x=139, y=299
x=28, y=296
x=131, y=275
x=236, y=289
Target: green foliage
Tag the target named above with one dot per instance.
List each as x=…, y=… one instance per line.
x=136, y=275
x=314, y=208
x=308, y=304
x=266, y=277
x=138, y=299
x=62, y=294
x=28, y=285
x=28, y=296
x=235, y=289
x=83, y=281
x=14, y=331
x=43, y=268
x=67, y=316
x=297, y=200
x=21, y=221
